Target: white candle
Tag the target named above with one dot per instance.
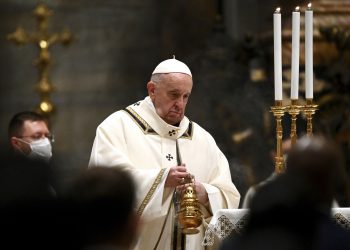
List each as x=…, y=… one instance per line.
x=294, y=89
x=309, y=52
x=277, y=45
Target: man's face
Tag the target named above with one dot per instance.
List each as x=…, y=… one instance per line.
x=170, y=96
x=31, y=131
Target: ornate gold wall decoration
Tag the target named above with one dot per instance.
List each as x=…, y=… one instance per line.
x=43, y=39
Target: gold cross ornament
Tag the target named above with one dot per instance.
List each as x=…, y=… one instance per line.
x=43, y=39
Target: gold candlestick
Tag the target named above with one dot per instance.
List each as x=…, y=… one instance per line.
x=294, y=110
x=309, y=110
x=278, y=111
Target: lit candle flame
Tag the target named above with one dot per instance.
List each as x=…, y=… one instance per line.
x=309, y=6
x=297, y=8
x=278, y=10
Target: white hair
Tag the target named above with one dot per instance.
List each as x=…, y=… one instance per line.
x=156, y=78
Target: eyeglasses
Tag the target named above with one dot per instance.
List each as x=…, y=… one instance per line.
x=36, y=137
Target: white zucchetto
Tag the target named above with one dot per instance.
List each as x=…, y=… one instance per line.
x=172, y=66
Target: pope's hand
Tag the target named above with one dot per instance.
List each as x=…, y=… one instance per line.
x=177, y=176
x=202, y=194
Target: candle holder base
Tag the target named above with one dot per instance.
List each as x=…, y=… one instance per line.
x=279, y=165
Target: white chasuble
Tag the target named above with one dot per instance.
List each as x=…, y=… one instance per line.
x=139, y=140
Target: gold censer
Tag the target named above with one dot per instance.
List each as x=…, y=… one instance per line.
x=190, y=215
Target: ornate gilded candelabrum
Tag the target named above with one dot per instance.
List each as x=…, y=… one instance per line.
x=278, y=111
x=293, y=109
x=190, y=215
x=43, y=39
x=309, y=109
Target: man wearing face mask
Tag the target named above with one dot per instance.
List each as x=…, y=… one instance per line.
x=29, y=135
x=26, y=180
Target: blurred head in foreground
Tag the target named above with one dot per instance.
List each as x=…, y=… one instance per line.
x=104, y=201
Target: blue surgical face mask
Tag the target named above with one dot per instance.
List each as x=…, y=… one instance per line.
x=40, y=149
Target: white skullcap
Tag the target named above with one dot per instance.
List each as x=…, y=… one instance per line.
x=172, y=66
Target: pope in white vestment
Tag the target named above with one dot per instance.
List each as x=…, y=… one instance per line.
x=142, y=139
